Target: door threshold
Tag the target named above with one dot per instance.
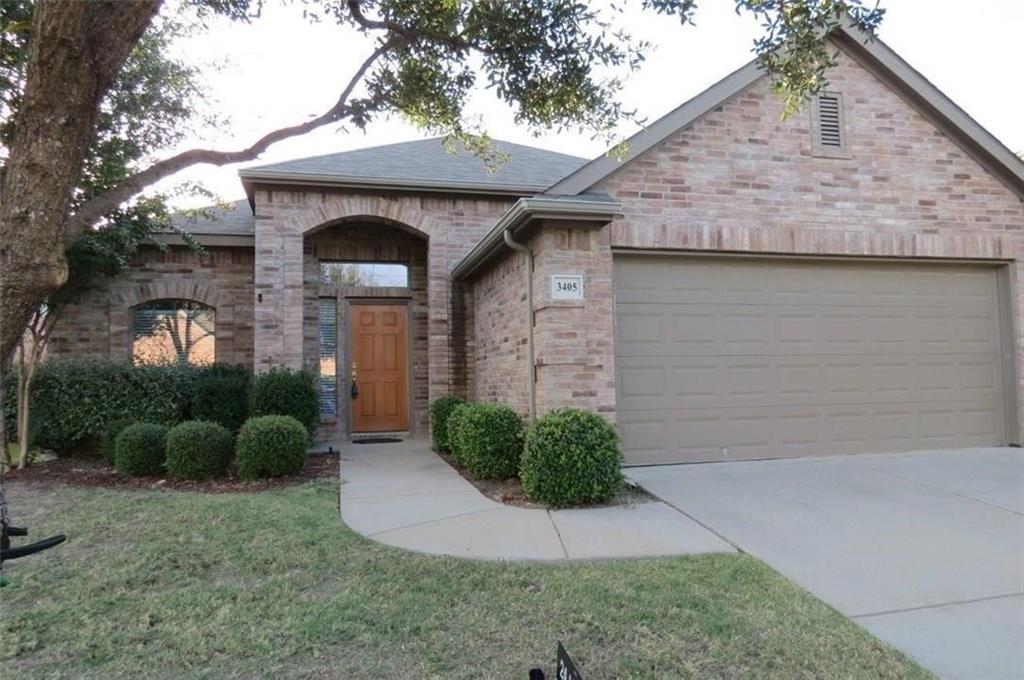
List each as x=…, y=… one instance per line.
x=378, y=437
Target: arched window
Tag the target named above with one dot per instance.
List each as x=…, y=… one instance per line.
x=174, y=332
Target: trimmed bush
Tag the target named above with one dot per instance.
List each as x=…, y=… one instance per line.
x=198, y=450
x=282, y=391
x=571, y=457
x=455, y=418
x=440, y=410
x=139, y=450
x=222, y=396
x=271, y=446
x=108, y=442
x=489, y=441
x=74, y=401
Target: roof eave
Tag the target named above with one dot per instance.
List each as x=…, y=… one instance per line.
x=250, y=177
x=527, y=211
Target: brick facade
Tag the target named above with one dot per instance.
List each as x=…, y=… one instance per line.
x=739, y=179
x=99, y=326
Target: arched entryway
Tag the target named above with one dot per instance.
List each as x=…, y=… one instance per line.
x=366, y=324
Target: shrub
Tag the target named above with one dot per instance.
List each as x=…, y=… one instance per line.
x=198, y=450
x=139, y=450
x=489, y=441
x=282, y=391
x=222, y=396
x=75, y=400
x=109, y=441
x=454, y=424
x=271, y=446
x=571, y=457
x=440, y=410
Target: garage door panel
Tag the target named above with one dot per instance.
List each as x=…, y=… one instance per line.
x=773, y=358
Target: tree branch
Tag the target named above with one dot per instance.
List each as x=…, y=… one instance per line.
x=94, y=210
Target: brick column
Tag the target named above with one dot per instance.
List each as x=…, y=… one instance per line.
x=574, y=342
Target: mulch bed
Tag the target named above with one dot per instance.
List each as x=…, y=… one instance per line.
x=93, y=472
x=510, y=491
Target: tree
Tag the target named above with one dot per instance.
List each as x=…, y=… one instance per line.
x=545, y=58
x=146, y=109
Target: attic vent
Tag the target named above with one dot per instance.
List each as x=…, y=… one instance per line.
x=828, y=125
x=828, y=121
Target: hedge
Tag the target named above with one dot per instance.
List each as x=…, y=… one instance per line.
x=440, y=410
x=198, y=450
x=271, y=446
x=282, y=391
x=488, y=441
x=222, y=396
x=74, y=401
x=571, y=457
x=139, y=450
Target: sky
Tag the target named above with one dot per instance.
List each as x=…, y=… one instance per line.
x=280, y=70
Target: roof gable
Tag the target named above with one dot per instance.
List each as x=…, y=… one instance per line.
x=872, y=54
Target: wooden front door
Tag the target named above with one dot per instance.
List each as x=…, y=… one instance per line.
x=379, y=370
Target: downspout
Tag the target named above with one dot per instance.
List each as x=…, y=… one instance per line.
x=531, y=363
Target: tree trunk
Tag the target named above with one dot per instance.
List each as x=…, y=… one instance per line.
x=77, y=49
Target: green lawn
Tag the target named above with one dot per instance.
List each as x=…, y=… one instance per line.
x=175, y=584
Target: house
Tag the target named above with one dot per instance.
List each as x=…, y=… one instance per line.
x=736, y=287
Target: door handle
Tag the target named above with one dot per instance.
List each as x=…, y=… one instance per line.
x=355, y=389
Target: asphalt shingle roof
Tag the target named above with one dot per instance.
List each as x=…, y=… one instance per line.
x=235, y=220
x=427, y=162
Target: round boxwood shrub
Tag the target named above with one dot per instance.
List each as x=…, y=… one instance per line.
x=571, y=457
x=109, y=440
x=139, y=450
x=285, y=392
x=199, y=450
x=440, y=410
x=271, y=446
x=222, y=396
x=489, y=441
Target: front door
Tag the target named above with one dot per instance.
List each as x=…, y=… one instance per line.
x=379, y=373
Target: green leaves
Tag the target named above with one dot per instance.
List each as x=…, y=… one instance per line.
x=794, y=50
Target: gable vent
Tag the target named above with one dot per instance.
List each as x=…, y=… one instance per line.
x=829, y=126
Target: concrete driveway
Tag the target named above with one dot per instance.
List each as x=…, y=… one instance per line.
x=925, y=550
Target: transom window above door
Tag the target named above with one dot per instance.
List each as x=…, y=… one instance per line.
x=347, y=274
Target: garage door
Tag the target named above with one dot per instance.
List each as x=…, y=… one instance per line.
x=727, y=359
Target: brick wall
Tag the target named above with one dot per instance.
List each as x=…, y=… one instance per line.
x=99, y=325
x=498, y=335
x=741, y=179
x=574, y=339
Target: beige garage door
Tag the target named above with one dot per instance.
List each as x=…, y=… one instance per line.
x=727, y=359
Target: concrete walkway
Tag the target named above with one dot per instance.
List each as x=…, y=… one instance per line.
x=404, y=495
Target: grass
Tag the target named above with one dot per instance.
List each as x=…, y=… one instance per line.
x=182, y=584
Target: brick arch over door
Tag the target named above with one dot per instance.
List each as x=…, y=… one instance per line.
x=279, y=278
x=122, y=305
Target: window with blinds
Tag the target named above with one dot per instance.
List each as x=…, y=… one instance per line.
x=829, y=128
x=174, y=332
x=327, y=378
